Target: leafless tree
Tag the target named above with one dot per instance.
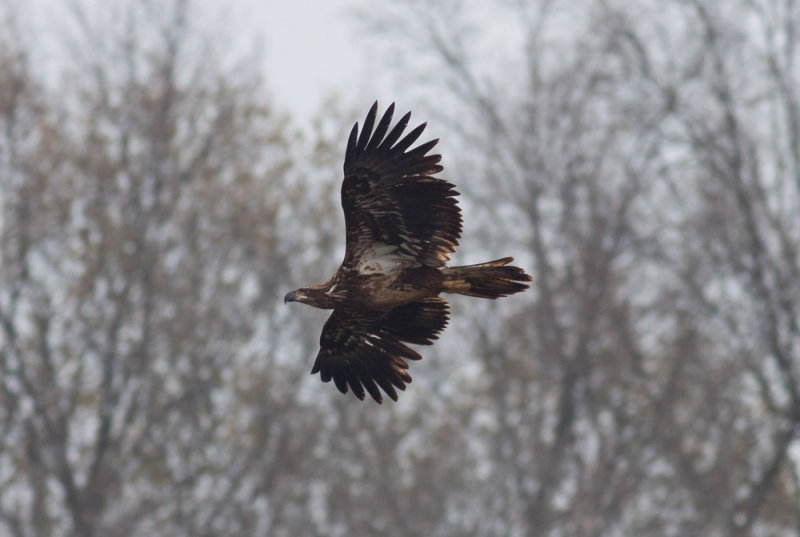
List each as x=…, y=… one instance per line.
x=143, y=207
x=641, y=158
x=645, y=152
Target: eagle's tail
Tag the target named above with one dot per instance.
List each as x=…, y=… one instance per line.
x=486, y=280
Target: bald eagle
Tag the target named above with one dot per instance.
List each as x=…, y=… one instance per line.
x=402, y=224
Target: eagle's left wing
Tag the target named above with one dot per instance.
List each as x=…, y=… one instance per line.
x=396, y=213
x=364, y=350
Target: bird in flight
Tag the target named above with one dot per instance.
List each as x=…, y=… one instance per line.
x=402, y=224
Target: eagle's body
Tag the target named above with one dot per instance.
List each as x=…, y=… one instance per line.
x=402, y=224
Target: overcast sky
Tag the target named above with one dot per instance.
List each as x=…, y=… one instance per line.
x=310, y=49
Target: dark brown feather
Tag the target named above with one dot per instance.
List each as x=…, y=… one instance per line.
x=402, y=224
x=389, y=197
x=361, y=349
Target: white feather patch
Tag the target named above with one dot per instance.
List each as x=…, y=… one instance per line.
x=383, y=259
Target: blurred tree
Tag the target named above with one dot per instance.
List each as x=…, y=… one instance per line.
x=643, y=157
x=735, y=172
x=637, y=150
x=141, y=258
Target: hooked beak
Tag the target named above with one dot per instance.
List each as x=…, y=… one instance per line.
x=290, y=297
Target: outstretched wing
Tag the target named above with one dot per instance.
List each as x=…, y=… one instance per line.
x=366, y=350
x=397, y=215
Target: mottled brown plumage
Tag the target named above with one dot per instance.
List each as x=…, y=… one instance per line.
x=402, y=224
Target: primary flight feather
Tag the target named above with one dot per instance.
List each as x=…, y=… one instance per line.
x=402, y=224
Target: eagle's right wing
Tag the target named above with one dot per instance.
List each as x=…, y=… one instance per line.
x=396, y=213
x=366, y=350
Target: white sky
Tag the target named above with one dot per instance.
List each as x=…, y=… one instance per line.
x=311, y=49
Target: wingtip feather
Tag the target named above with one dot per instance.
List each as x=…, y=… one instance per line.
x=366, y=131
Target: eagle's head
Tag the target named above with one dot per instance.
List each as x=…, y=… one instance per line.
x=314, y=295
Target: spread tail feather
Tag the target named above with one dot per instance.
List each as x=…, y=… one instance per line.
x=486, y=280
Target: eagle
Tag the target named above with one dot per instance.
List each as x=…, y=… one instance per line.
x=402, y=224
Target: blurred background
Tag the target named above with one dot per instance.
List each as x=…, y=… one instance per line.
x=168, y=171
